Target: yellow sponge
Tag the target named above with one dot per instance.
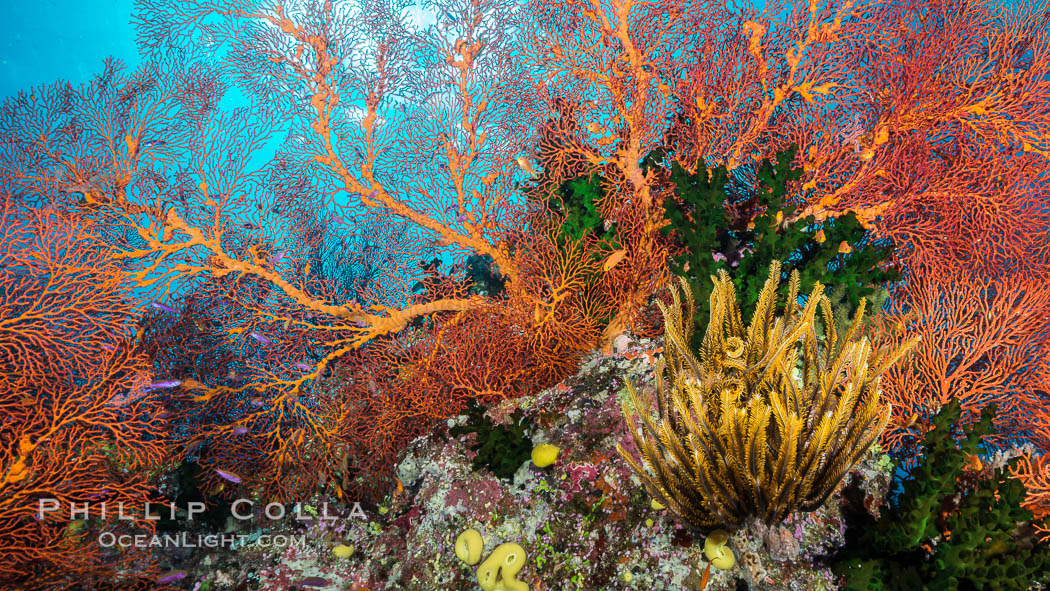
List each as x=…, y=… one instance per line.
x=544, y=455
x=499, y=569
x=343, y=551
x=468, y=546
x=716, y=551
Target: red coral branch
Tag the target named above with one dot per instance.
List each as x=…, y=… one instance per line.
x=983, y=342
x=80, y=423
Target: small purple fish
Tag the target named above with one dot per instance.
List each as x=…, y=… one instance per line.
x=167, y=384
x=228, y=476
x=174, y=575
x=313, y=582
x=259, y=338
x=303, y=366
x=108, y=348
x=160, y=306
x=276, y=258
x=240, y=430
x=256, y=402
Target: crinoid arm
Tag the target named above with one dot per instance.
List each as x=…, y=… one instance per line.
x=741, y=431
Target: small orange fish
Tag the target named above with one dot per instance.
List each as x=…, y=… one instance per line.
x=614, y=259
x=844, y=248
x=973, y=463
x=819, y=236
x=526, y=165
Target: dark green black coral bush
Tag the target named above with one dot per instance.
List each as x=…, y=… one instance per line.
x=502, y=449
x=954, y=527
x=728, y=222
x=722, y=220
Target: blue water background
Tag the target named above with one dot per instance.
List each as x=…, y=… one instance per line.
x=44, y=41
x=47, y=40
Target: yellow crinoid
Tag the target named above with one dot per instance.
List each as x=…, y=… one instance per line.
x=768, y=420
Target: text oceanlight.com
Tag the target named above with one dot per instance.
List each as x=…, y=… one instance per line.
x=186, y=540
